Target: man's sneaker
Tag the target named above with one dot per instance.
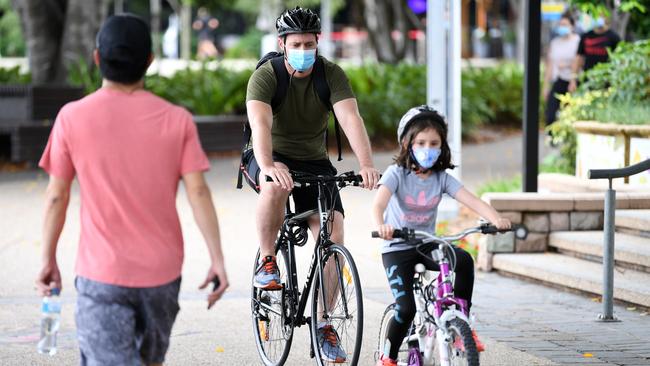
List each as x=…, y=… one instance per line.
x=479, y=345
x=385, y=361
x=267, y=275
x=329, y=343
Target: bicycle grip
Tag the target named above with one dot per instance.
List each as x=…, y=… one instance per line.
x=397, y=234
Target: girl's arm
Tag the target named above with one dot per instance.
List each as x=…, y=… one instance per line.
x=474, y=203
x=378, y=208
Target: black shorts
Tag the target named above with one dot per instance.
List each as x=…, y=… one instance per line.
x=304, y=198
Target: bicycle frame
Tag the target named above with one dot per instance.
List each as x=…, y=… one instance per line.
x=435, y=301
x=322, y=242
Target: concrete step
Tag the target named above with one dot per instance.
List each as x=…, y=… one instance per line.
x=635, y=222
x=630, y=251
x=574, y=273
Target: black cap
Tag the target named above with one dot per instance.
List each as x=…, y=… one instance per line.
x=124, y=45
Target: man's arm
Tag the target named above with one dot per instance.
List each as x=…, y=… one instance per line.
x=57, y=198
x=260, y=116
x=347, y=112
x=200, y=198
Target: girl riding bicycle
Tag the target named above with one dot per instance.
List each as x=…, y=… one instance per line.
x=409, y=193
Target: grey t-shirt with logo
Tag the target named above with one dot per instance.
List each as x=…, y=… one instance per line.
x=415, y=200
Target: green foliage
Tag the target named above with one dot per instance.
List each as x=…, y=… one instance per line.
x=14, y=76
x=599, y=7
x=84, y=75
x=384, y=92
x=12, y=43
x=204, y=91
x=615, y=92
x=492, y=95
x=249, y=46
x=501, y=185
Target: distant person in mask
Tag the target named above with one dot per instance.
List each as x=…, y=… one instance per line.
x=559, y=62
x=593, y=49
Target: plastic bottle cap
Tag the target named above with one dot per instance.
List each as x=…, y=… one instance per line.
x=56, y=291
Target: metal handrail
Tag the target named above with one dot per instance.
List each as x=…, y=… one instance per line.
x=619, y=173
x=609, y=228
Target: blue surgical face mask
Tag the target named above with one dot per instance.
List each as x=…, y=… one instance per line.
x=600, y=22
x=301, y=60
x=562, y=30
x=425, y=156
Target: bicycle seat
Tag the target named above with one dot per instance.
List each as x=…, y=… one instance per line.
x=302, y=217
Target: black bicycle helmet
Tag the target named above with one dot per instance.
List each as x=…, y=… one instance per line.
x=297, y=20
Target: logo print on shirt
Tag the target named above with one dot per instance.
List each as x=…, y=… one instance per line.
x=421, y=204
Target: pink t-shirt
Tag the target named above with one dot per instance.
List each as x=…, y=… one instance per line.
x=128, y=152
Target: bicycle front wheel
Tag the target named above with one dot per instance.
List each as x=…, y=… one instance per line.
x=272, y=327
x=343, y=303
x=408, y=353
x=462, y=348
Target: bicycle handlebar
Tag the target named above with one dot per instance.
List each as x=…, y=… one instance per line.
x=521, y=232
x=301, y=179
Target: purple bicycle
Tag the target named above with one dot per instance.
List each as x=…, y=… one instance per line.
x=440, y=333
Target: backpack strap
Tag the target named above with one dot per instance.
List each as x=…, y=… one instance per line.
x=282, y=78
x=324, y=93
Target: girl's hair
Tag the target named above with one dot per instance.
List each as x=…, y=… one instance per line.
x=405, y=159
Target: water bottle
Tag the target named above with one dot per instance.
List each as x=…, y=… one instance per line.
x=50, y=319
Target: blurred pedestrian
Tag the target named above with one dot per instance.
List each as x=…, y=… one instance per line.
x=559, y=61
x=205, y=25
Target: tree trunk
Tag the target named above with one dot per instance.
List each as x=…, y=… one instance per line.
x=382, y=17
x=155, y=7
x=42, y=22
x=517, y=7
x=83, y=20
x=59, y=34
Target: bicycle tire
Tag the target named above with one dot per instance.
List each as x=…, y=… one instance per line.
x=350, y=329
x=405, y=356
x=272, y=338
x=468, y=354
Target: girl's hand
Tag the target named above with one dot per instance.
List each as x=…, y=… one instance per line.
x=502, y=223
x=385, y=231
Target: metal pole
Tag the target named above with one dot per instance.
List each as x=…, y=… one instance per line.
x=326, y=46
x=454, y=118
x=608, y=256
x=436, y=56
x=531, y=95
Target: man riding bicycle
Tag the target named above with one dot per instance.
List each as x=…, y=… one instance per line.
x=292, y=136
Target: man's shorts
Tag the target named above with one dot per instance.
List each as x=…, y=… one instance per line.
x=304, y=198
x=123, y=325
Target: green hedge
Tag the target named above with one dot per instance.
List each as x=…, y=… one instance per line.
x=384, y=92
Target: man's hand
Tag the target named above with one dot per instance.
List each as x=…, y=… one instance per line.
x=279, y=174
x=220, y=273
x=370, y=177
x=48, y=278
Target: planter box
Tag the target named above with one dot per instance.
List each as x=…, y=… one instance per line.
x=612, y=146
x=22, y=104
x=221, y=133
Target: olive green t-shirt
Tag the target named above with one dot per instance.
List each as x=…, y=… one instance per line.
x=300, y=122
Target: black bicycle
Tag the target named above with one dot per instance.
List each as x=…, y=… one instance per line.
x=336, y=301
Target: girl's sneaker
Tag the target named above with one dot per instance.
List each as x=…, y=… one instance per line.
x=479, y=345
x=385, y=361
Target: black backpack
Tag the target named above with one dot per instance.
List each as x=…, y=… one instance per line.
x=282, y=77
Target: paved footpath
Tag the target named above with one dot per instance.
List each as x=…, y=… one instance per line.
x=521, y=323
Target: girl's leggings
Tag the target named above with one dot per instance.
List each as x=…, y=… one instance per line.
x=400, y=268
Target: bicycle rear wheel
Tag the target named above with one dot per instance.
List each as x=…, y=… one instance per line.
x=408, y=354
x=462, y=348
x=270, y=309
x=344, y=304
